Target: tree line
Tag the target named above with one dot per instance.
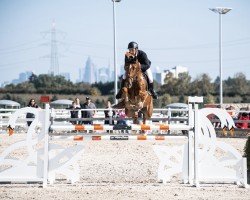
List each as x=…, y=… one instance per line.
x=236, y=88
x=49, y=84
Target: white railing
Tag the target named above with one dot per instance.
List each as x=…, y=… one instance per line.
x=159, y=115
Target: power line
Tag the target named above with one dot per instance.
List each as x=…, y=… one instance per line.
x=87, y=44
x=80, y=54
x=201, y=61
x=17, y=51
x=206, y=45
x=4, y=66
x=19, y=45
x=15, y=48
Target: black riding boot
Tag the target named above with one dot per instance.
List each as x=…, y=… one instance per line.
x=119, y=94
x=151, y=90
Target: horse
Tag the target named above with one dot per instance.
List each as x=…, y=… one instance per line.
x=136, y=98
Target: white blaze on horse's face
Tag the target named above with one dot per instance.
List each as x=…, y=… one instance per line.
x=131, y=71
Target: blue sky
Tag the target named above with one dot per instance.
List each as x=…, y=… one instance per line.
x=172, y=33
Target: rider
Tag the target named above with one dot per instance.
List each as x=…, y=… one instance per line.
x=145, y=67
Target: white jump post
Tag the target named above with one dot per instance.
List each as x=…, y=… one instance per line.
x=46, y=145
x=203, y=165
x=195, y=101
x=186, y=160
x=190, y=158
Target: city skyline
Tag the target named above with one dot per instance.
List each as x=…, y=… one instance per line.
x=91, y=74
x=171, y=35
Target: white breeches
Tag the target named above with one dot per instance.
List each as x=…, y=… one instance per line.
x=149, y=74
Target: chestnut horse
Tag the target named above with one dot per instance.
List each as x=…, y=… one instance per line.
x=136, y=98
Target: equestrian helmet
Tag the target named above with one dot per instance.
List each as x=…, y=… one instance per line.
x=132, y=45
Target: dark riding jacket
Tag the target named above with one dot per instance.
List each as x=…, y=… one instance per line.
x=142, y=59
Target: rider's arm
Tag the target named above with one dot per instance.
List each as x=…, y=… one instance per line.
x=143, y=60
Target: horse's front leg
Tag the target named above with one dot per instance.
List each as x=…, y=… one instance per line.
x=135, y=117
x=125, y=96
x=140, y=100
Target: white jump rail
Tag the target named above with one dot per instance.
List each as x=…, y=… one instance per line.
x=196, y=159
x=133, y=127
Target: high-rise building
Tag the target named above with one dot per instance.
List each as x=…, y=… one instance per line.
x=24, y=76
x=160, y=76
x=90, y=74
x=177, y=70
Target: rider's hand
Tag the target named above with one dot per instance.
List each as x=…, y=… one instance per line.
x=130, y=58
x=128, y=54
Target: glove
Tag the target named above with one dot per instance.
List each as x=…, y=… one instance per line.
x=130, y=59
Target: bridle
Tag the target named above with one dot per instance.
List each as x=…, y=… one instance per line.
x=133, y=78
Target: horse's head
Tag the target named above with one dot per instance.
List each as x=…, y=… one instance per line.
x=132, y=71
